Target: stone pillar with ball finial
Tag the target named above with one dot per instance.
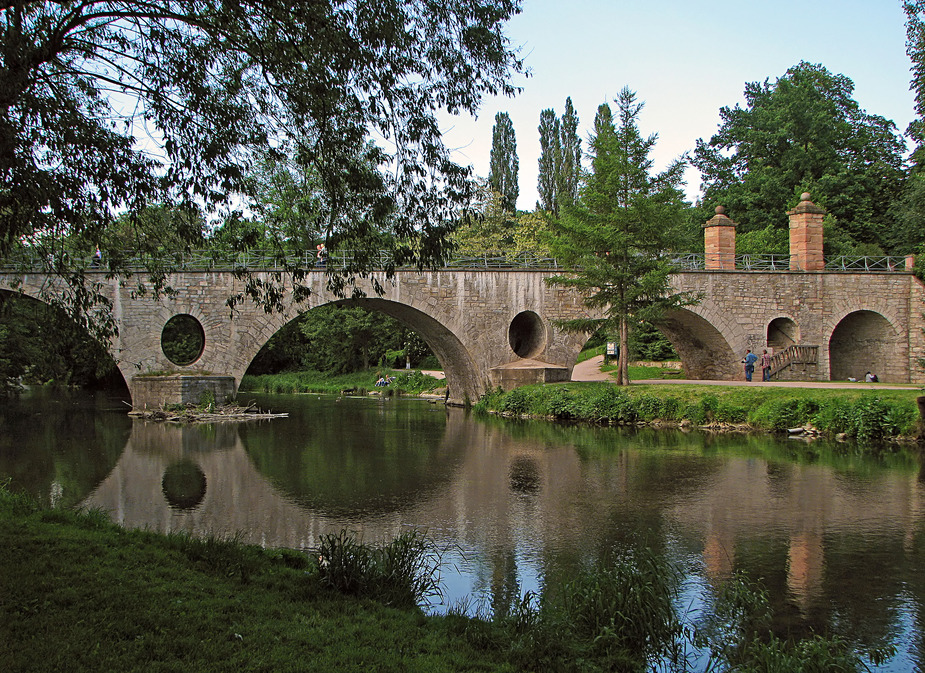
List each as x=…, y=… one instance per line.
x=719, y=242
x=806, y=236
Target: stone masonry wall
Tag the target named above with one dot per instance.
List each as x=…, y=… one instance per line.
x=465, y=316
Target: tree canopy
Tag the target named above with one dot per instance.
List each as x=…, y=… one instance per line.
x=109, y=106
x=803, y=133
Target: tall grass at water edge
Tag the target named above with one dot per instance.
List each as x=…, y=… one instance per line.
x=865, y=416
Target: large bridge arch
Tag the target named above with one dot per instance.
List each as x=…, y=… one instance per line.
x=32, y=295
x=458, y=365
x=705, y=352
x=866, y=341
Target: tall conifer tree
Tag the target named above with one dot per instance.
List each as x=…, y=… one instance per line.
x=570, y=148
x=504, y=164
x=617, y=232
x=550, y=158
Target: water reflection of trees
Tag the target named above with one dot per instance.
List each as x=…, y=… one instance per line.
x=59, y=445
x=349, y=457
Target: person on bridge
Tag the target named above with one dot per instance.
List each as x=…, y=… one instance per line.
x=322, y=255
x=765, y=366
x=749, y=361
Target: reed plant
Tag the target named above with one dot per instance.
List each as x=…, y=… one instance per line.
x=404, y=572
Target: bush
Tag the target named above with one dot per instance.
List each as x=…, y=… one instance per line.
x=611, y=405
x=622, y=607
x=782, y=413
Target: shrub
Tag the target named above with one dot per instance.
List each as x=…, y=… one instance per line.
x=515, y=402
x=611, y=405
x=782, y=413
x=559, y=403
x=622, y=606
x=648, y=407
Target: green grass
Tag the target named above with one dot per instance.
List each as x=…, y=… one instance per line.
x=80, y=594
x=868, y=416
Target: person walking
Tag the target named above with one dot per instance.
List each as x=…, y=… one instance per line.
x=765, y=366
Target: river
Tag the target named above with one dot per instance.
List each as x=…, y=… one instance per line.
x=837, y=539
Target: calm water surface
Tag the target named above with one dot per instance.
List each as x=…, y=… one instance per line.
x=837, y=539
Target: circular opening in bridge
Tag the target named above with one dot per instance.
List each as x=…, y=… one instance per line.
x=183, y=339
x=184, y=485
x=527, y=335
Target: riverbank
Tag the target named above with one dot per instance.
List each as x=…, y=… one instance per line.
x=864, y=415
x=78, y=593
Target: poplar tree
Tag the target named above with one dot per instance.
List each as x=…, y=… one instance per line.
x=504, y=164
x=616, y=234
x=570, y=148
x=550, y=158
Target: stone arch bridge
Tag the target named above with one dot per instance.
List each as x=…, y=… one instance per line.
x=496, y=327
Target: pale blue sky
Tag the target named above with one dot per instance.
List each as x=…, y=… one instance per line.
x=685, y=59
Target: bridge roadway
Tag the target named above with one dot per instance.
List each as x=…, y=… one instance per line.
x=491, y=327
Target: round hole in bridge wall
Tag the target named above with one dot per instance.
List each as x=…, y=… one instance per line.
x=183, y=339
x=527, y=334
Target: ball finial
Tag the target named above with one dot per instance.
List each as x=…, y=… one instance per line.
x=804, y=196
x=720, y=210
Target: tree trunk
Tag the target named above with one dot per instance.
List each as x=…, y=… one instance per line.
x=622, y=370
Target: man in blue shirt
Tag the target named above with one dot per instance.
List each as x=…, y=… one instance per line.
x=749, y=360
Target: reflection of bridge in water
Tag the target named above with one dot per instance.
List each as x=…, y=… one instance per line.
x=524, y=506
x=491, y=327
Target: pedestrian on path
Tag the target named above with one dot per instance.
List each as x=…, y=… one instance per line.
x=749, y=361
x=765, y=366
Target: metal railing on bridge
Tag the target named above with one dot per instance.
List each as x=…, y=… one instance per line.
x=866, y=264
x=223, y=260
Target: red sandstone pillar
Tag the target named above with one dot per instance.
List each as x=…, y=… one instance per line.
x=806, y=236
x=719, y=241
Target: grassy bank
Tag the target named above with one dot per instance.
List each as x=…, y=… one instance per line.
x=866, y=416
x=78, y=593
x=408, y=382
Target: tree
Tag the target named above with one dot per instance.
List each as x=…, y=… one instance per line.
x=504, y=164
x=569, y=173
x=108, y=106
x=560, y=159
x=550, y=158
x=909, y=231
x=616, y=234
x=803, y=133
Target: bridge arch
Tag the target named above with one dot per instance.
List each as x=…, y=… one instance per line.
x=458, y=365
x=865, y=340
x=705, y=352
x=782, y=332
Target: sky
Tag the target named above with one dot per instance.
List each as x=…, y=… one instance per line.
x=685, y=59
